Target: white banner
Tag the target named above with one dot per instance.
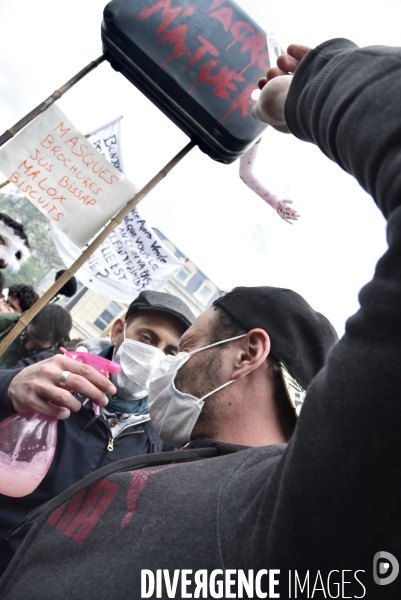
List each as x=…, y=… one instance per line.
x=107, y=141
x=61, y=173
x=132, y=258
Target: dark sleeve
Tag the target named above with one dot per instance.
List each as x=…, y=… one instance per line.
x=31, y=360
x=338, y=487
x=7, y=322
x=6, y=408
x=346, y=100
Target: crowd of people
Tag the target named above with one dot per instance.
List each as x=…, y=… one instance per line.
x=50, y=328
x=249, y=439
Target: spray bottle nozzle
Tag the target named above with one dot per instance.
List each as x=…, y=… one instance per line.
x=102, y=365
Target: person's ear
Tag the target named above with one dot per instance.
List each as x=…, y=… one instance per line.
x=116, y=330
x=254, y=349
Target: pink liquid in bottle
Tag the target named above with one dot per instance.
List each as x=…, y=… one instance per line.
x=27, y=446
x=28, y=440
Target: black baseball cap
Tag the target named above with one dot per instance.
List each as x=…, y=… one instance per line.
x=161, y=302
x=300, y=337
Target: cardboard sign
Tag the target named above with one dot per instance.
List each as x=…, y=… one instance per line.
x=64, y=176
x=132, y=258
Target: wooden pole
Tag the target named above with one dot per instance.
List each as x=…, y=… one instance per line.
x=116, y=220
x=10, y=133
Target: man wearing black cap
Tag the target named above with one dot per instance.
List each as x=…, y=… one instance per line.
x=152, y=328
x=317, y=518
x=234, y=389
x=270, y=335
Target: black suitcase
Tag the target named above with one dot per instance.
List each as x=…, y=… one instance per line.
x=198, y=61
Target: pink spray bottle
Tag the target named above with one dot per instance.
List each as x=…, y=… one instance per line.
x=28, y=440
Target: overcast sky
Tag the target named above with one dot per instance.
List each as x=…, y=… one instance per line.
x=202, y=206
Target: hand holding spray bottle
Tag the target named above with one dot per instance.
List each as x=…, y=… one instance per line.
x=28, y=440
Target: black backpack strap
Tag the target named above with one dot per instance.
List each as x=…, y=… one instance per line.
x=157, y=447
x=126, y=464
x=155, y=443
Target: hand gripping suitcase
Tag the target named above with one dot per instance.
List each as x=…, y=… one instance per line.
x=197, y=60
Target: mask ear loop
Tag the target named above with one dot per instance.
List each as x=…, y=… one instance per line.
x=225, y=385
x=114, y=351
x=238, y=337
x=189, y=354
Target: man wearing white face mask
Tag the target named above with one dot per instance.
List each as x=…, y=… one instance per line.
x=238, y=513
x=185, y=403
x=225, y=392
x=151, y=330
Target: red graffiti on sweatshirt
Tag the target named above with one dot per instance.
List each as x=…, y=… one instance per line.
x=138, y=482
x=77, y=517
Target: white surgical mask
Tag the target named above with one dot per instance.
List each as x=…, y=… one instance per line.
x=138, y=363
x=174, y=413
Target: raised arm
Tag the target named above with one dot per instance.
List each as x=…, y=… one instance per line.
x=338, y=489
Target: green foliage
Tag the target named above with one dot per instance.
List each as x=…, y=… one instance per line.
x=43, y=251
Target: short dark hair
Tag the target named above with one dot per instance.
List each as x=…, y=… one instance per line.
x=226, y=327
x=25, y=294
x=129, y=318
x=18, y=227
x=52, y=324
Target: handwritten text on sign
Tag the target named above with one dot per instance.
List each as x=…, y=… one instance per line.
x=107, y=141
x=61, y=173
x=130, y=260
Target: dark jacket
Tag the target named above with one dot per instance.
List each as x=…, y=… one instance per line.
x=82, y=447
x=12, y=357
x=325, y=505
x=13, y=354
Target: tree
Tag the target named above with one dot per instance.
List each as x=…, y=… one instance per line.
x=44, y=254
